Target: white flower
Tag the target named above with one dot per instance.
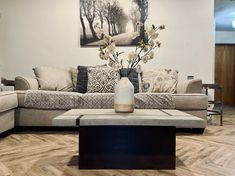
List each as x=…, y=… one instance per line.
x=151, y=43
x=135, y=34
x=104, y=55
x=117, y=66
x=107, y=55
x=107, y=39
x=146, y=48
x=151, y=31
x=145, y=59
x=111, y=48
x=154, y=35
x=110, y=63
x=151, y=55
x=132, y=56
x=138, y=69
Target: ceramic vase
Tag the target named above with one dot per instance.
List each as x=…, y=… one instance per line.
x=124, y=96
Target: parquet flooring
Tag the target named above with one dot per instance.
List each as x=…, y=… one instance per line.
x=55, y=154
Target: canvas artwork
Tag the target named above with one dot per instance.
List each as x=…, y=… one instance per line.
x=124, y=20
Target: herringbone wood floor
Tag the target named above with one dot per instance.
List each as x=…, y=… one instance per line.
x=54, y=154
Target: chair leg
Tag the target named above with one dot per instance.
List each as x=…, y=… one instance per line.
x=221, y=120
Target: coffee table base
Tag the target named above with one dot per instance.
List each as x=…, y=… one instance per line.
x=126, y=147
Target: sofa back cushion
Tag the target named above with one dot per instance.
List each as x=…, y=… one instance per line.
x=74, y=73
x=52, y=78
x=102, y=80
x=158, y=81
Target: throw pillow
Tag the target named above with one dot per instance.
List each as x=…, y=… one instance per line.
x=102, y=80
x=82, y=77
x=133, y=77
x=51, y=78
x=74, y=72
x=158, y=81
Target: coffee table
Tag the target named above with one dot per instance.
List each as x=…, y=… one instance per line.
x=144, y=139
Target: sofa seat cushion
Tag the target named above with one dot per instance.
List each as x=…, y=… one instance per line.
x=190, y=101
x=55, y=100
x=8, y=101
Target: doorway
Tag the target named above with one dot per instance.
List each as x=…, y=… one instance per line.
x=225, y=72
x=225, y=49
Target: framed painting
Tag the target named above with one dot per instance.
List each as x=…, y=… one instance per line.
x=124, y=20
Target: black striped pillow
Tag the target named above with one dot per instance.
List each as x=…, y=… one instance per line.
x=133, y=77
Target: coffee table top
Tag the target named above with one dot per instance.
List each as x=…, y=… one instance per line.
x=140, y=117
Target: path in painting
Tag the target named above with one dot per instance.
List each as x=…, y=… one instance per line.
x=124, y=39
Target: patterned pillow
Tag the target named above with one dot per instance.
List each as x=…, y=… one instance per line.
x=102, y=80
x=133, y=77
x=158, y=81
x=82, y=77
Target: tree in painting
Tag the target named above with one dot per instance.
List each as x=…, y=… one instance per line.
x=121, y=19
x=143, y=9
x=89, y=11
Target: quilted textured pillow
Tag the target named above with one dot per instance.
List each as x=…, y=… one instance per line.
x=133, y=77
x=52, y=78
x=102, y=80
x=158, y=81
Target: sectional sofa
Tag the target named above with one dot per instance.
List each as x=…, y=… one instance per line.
x=29, y=106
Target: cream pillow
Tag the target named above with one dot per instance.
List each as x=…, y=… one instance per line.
x=158, y=81
x=52, y=78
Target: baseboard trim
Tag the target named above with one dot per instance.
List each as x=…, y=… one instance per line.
x=7, y=133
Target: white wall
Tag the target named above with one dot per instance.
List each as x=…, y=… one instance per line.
x=46, y=32
x=227, y=37
x=1, y=47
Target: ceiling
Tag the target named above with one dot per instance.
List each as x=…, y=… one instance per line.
x=224, y=15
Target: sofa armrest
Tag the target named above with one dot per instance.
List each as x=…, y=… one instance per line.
x=190, y=86
x=24, y=83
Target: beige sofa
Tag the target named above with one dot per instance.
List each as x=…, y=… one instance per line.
x=188, y=99
x=8, y=103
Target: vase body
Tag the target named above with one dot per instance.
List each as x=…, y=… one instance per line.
x=124, y=96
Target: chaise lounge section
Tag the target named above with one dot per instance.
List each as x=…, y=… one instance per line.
x=8, y=103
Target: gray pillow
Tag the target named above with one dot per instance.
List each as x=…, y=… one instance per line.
x=102, y=80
